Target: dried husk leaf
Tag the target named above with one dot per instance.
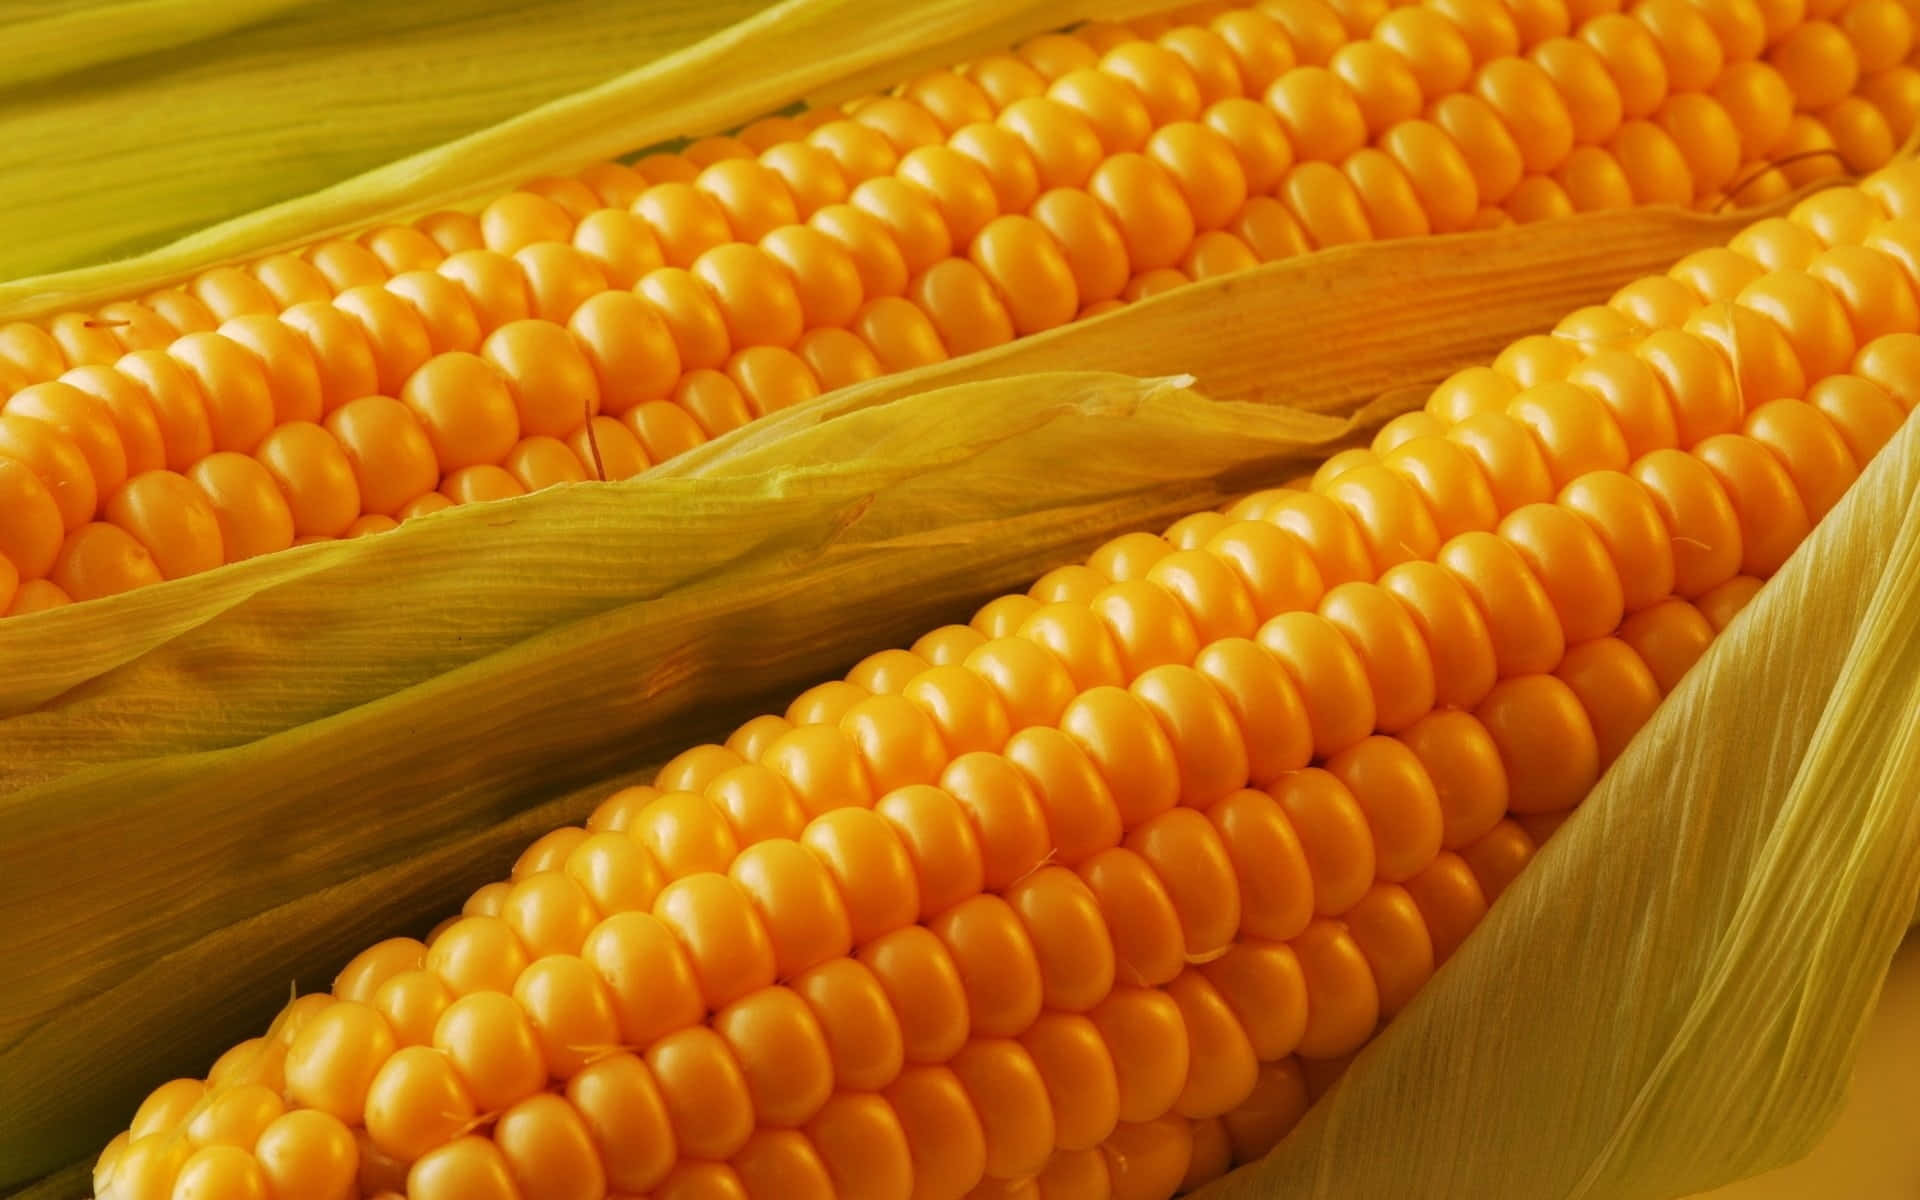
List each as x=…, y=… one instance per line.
x=1672, y=995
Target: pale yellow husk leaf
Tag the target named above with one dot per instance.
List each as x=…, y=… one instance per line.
x=1672, y=994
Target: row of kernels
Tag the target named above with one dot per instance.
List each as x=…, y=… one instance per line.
x=237, y=400
x=1865, y=295
x=939, y=168
x=1340, y=663
x=321, y=274
x=1744, y=499
x=843, y=686
x=373, y=456
x=417, y=1098
x=1691, y=153
x=295, y=1151
x=1813, y=70
x=1762, y=492
x=1659, y=167
x=1769, y=500
x=369, y=464
x=428, y=408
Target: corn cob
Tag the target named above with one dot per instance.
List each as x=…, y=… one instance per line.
x=586, y=328
x=1093, y=895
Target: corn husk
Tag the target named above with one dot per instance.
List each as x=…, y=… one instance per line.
x=1869, y=1151
x=1671, y=996
x=134, y=122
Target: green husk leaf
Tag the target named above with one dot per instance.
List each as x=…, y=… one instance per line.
x=1671, y=996
x=169, y=116
x=46, y=42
